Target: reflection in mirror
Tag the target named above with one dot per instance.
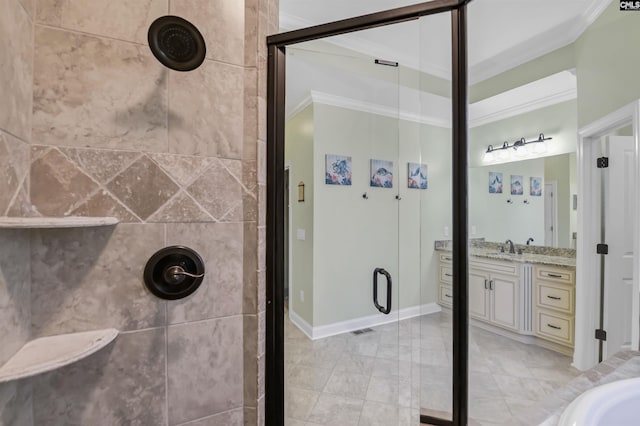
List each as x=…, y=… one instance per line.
x=535, y=201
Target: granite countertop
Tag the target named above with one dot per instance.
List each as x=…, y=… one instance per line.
x=531, y=254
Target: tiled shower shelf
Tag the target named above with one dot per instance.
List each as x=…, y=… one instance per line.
x=49, y=353
x=55, y=222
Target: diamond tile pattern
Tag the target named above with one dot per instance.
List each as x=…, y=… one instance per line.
x=136, y=187
x=143, y=187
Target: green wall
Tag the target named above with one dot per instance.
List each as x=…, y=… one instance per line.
x=299, y=154
x=608, y=64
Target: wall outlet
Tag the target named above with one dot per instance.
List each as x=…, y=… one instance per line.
x=301, y=296
x=301, y=234
x=473, y=230
x=446, y=231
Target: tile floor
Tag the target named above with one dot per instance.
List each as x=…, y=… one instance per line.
x=385, y=377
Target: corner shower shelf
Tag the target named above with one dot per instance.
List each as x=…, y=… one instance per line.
x=55, y=222
x=49, y=353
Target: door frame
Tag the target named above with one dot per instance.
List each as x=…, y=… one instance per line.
x=554, y=214
x=276, y=44
x=589, y=228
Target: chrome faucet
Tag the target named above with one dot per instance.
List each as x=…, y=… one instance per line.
x=511, y=248
x=529, y=241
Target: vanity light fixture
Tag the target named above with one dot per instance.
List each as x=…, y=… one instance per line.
x=519, y=149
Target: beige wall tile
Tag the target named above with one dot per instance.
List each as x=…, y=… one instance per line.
x=221, y=24
x=220, y=294
x=207, y=111
x=58, y=185
x=204, y=368
x=121, y=19
x=104, y=204
x=230, y=418
x=250, y=268
x=102, y=165
x=91, y=278
x=143, y=187
x=9, y=180
x=16, y=403
x=15, y=292
x=218, y=190
x=16, y=69
x=123, y=384
x=183, y=169
x=181, y=208
x=49, y=12
x=99, y=93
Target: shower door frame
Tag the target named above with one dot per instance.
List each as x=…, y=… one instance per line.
x=276, y=44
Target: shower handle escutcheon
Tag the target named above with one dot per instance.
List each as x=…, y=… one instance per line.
x=176, y=274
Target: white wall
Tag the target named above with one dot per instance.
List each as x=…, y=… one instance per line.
x=497, y=220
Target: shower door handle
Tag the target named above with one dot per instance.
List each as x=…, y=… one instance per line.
x=387, y=275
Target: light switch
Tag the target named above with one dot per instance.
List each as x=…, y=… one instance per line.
x=301, y=234
x=446, y=231
x=473, y=230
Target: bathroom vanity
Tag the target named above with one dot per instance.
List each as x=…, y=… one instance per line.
x=529, y=297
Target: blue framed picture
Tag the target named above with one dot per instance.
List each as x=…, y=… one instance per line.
x=417, y=176
x=381, y=173
x=495, y=183
x=338, y=170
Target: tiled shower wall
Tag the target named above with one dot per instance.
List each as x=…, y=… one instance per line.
x=16, y=85
x=179, y=159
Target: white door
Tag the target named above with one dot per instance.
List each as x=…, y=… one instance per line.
x=619, y=225
x=550, y=214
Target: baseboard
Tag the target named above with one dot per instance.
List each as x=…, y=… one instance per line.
x=299, y=322
x=341, y=327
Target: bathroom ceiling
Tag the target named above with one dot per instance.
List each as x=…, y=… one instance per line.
x=502, y=34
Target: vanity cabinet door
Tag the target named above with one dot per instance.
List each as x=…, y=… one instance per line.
x=478, y=294
x=504, y=301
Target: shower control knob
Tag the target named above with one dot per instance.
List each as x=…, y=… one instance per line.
x=174, y=272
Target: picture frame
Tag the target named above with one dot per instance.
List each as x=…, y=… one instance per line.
x=535, y=186
x=381, y=174
x=495, y=183
x=417, y=176
x=338, y=169
x=517, y=185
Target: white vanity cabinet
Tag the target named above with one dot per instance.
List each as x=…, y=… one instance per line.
x=554, y=295
x=530, y=302
x=494, y=288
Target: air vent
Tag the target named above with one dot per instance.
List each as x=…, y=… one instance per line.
x=364, y=330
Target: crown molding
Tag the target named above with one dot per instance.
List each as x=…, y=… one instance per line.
x=524, y=107
x=554, y=39
x=357, y=105
x=371, y=108
x=299, y=108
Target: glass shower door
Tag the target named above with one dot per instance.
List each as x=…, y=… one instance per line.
x=346, y=362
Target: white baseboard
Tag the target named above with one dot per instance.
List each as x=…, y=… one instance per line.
x=341, y=327
x=299, y=322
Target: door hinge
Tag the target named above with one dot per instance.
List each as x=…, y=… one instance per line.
x=601, y=335
x=602, y=249
x=602, y=162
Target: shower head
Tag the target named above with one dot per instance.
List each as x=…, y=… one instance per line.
x=176, y=43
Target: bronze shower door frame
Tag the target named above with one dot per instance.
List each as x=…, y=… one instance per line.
x=274, y=371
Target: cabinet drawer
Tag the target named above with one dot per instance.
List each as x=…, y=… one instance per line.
x=555, y=274
x=446, y=257
x=494, y=266
x=446, y=273
x=446, y=295
x=554, y=296
x=555, y=327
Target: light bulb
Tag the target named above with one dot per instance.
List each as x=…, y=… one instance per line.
x=503, y=154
